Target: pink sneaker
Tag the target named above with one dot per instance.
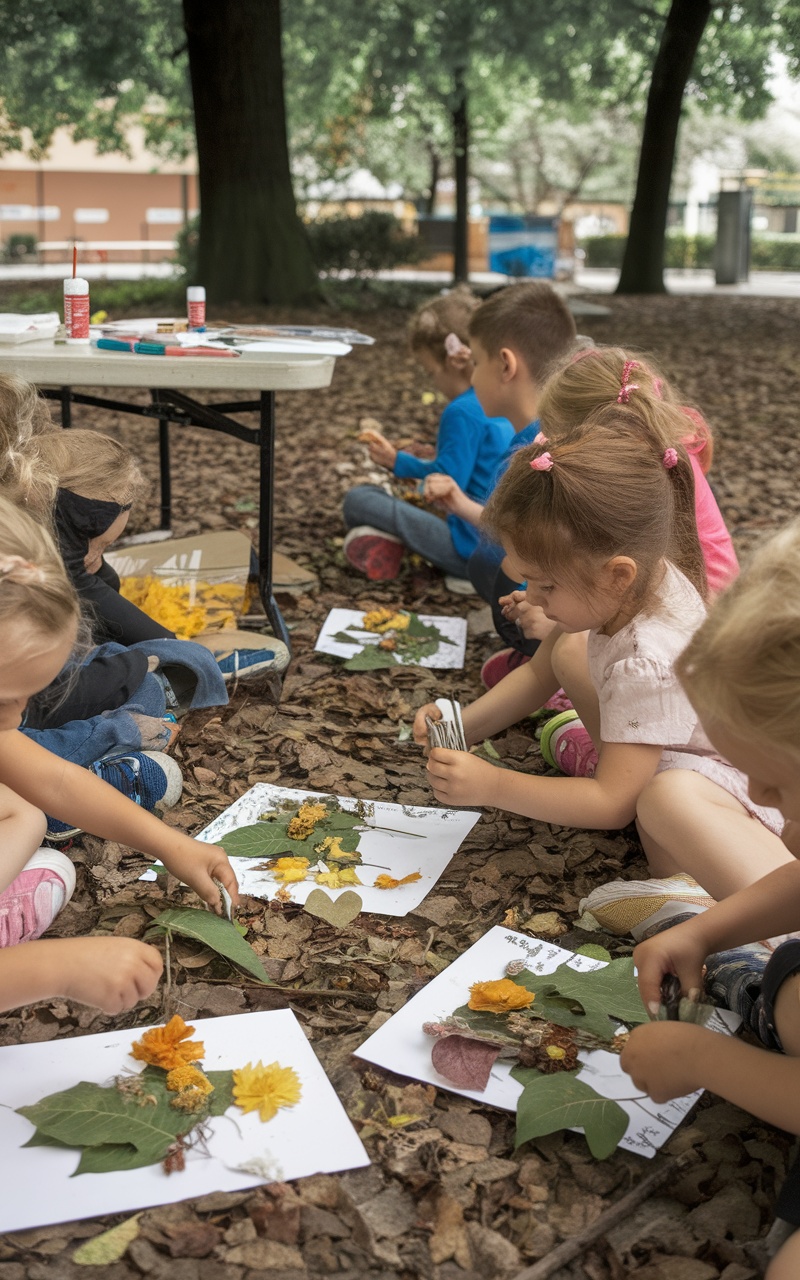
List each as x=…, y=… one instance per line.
x=558, y=702
x=567, y=746
x=31, y=903
x=500, y=664
x=377, y=554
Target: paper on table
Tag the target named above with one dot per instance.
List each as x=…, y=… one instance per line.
x=447, y=656
x=315, y=1136
x=422, y=840
x=401, y=1045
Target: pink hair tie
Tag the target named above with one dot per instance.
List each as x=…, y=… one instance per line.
x=670, y=458
x=543, y=463
x=627, y=386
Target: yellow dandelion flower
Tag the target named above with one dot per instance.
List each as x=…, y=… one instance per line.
x=337, y=879
x=500, y=996
x=303, y=823
x=288, y=870
x=389, y=882
x=265, y=1089
x=168, y=1046
x=188, y=1077
x=380, y=620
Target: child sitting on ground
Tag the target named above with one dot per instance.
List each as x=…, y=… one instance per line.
x=601, y=527
x=469, y=447
x=39, y=615
x=742, y=674
x=514, y=336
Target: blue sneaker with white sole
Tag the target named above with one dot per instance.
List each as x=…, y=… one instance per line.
x=238, y=664
x=149, y=778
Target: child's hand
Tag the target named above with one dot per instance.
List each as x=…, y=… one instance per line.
x=111, y=974
x=530, y=618
x=380, y=450
x=444, y=491
x=664, y=1059
x=420, y=727
x=673, y=951
x=457, y=778
x=198, y=865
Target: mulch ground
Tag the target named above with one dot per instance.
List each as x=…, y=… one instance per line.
x=446, y=1196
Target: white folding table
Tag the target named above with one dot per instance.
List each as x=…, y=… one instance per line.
x=173, y=382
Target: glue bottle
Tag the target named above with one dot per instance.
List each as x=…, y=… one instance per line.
x=76, y=309
x=196, y=307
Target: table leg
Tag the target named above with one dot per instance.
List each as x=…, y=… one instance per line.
x=66, y=406
x=265, y=501
x=164, y=465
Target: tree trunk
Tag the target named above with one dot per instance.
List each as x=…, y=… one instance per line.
x=429, y=203
x=461, y=166
x=643, y=262
x=253, y=246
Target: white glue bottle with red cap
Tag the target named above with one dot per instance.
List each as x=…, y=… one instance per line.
x=196, y=307
x=76, y=310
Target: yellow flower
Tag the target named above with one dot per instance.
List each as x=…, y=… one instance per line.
x=265, y=1089
x=168, y=1046
x=287, y=870
x=500, y=996
x=188, y=1077
x=303, y=823
x=555, y=1052
x=389, y=882
x=428, y=397
x=190, y=1100
x=332, y=851
x=336, y=879
x=380, y=620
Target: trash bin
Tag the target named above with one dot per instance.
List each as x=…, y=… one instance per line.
x=523, y=245
x=732, y=250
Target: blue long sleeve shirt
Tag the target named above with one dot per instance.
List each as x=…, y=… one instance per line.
x=469, y=447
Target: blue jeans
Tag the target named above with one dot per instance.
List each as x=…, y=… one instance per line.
x=421, y=531
x=491, y=583
x=111, y=733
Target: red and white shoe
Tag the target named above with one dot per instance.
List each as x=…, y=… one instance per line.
x=500, y=664
x=32, y=901
x=377, y=554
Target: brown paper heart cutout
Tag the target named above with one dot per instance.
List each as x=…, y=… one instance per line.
x=336, y=911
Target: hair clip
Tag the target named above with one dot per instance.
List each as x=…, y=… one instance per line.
x=15, y=569
x=544, y=462
x=455, y=347
x=670, y=458
x=627, y=386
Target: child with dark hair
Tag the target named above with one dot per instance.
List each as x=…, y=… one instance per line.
x=469, y=447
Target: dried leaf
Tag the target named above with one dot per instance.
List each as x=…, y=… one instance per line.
x=108, y=1247
x=336, y=911
x=215, y=932
x=465, y=1063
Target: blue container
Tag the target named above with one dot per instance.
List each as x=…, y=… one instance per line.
x=523, y=245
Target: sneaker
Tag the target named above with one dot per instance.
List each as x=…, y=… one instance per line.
x=559, y=702
x=459, y=586
x=567, y=746
x=32, y=901
x=241, y=663
x=500, y=664
x=635, y=906
x=377, y=554
x=149, y=778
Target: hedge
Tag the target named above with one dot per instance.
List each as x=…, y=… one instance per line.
x=768, y=253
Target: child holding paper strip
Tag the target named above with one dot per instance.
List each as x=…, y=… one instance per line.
x=39, y=615
x=741, y=672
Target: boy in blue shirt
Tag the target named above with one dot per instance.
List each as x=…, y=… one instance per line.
x=469, y=449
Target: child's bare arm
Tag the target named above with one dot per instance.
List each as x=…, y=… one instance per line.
x=76, y=796
x=110, y=973
x=669, y=1059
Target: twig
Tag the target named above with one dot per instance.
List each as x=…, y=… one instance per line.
x=571, y=1249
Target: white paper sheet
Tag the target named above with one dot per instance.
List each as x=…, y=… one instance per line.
x=315, y=1136
x=422, y=840
x=401, y=1045
x=447, y=657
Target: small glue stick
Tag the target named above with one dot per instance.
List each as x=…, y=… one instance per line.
x=196, y=307
x=76, y=309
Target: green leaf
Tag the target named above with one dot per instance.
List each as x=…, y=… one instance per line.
x=371, y=658
x=342, y=637
x=222, y=1097
x=593, y=951
x=561, y=1101
x=214, y=932
x=119, y=1157
x=416, y=627
x=93, y=1115
x=270, y=839
x=612, y=990
x=524, y=1075
x=109, y=1246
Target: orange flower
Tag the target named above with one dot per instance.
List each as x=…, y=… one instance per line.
x=163, y=1047
x=188, y=1077
x=501, y=996
x=388, y=882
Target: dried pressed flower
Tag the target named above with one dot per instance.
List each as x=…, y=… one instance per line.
x=514, y=967
x=558, y=1051
x=302, y=825
x=265, y=1089
x=168, y=1046
x=331, y=850
x=190, y=1101
x=380, y=620
x=389, y=882
x=188, y=1077
x=288, y=870
x=500, y=996
x=389, y=643
x=337, y=879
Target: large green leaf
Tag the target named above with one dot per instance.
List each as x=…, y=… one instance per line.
x=561, y=1101
x=612, y=989
x=270, y=839
x=215, y=932
x=371, y=658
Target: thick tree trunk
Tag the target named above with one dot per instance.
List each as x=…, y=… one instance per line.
x=253, y=247
x=429, y=205
x=643, y=263
x=461, y=166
